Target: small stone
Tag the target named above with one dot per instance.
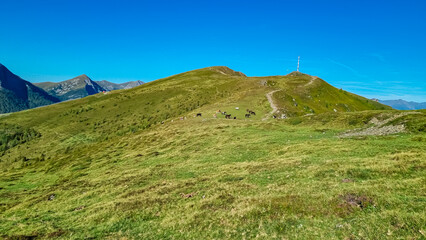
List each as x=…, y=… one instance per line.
x=51, y=197
x=80, y=208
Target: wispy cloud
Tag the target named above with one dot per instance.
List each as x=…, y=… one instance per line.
x=378, y=57
x=355, y=72
x=371, y=90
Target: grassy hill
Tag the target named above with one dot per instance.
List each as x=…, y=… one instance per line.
x=138, y=164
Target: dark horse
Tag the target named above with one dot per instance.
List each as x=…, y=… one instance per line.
x=251, y=112
x=247, y=115
x=228, y=116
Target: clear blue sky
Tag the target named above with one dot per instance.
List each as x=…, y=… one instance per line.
x=372, y=48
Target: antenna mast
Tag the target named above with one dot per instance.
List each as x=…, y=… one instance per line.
x=298, y=60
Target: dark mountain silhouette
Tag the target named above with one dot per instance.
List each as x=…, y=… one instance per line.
x=17, y=94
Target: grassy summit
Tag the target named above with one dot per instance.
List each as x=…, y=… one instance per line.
x=138, y=164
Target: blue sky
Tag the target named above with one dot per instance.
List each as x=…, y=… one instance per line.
x=372, y=48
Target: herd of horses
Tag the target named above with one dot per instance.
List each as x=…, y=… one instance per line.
x=228, y=116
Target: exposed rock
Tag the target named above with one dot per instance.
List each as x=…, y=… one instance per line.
x=378, y=128
x=116, y=86
x=74, y=88
x=189, y=195
x=51, y=197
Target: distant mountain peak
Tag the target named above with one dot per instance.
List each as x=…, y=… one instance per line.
x=80, y=77
x=401, y=104
x=83, y=76
x=77, y=87
x=116, y=86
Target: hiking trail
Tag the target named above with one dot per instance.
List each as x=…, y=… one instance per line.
x=271, y=102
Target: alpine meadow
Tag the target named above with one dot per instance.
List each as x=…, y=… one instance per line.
x=292, y=158
x=213, y=120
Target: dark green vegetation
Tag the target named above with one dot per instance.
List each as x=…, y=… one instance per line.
x=17, y=94
x=12, y=135
x=78, y=87
x=124, y=164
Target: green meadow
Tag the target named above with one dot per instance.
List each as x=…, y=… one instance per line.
x=139, y=164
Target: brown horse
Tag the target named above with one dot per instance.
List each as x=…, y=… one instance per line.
x=228, y=116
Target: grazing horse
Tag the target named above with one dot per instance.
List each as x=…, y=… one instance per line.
x=247, y=115
x=198, y=114
x=250, y=112
x=228, y=116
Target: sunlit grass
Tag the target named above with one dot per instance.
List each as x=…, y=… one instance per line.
x=91, y=175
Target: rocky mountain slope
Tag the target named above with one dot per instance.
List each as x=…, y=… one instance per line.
x=17, y=94
x=78, y=87
x=117, y=86
x=404, y=105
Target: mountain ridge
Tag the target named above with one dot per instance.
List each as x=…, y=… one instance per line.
x=109, y=86
x=298, y=97
x=74, y=88
x=401, y=104
x=18, y=94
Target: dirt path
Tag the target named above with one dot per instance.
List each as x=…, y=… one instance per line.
x=313, y=78
x=273, y=105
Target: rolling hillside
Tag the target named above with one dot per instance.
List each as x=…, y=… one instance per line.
x=74, y=88
x=140, y=163
x=206, y=91
x=17, y=94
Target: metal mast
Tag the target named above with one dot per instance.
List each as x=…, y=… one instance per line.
x=298, y=60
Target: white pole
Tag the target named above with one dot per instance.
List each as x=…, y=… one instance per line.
x=298, y=60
